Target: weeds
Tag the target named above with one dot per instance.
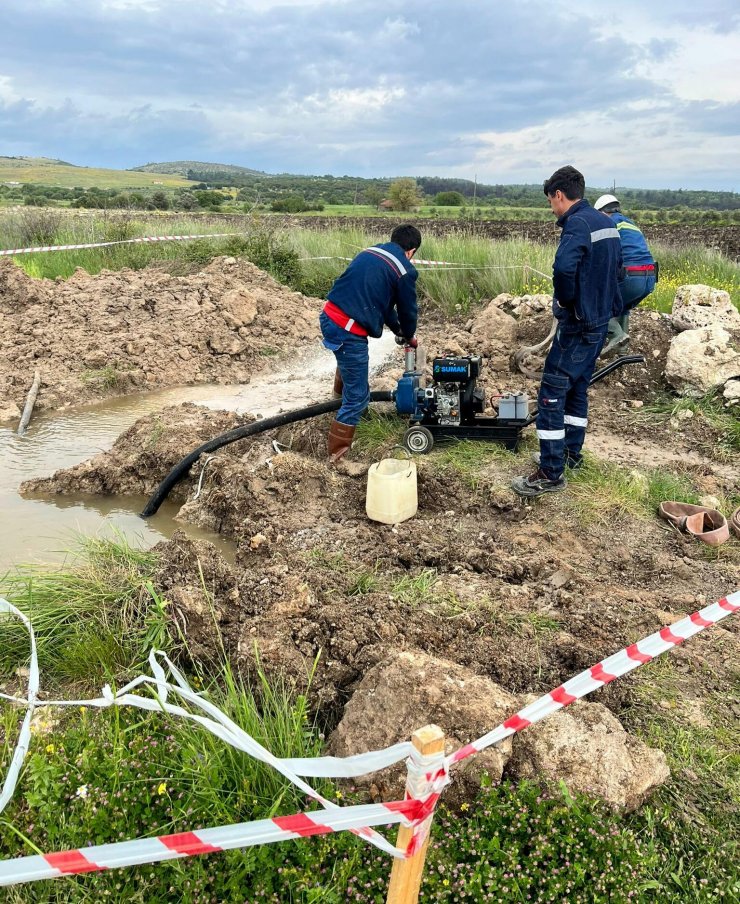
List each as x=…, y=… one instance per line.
x=89, y=619
x=601, y=490
x=102, y=379
x=709, y=408
x=378, y=431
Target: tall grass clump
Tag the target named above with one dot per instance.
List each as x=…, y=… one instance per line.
x=90, y=617
x=709, y=409
x=600, y=490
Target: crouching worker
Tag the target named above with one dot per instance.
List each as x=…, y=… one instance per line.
x=378, y=288
x=640, y=270
x=586, y=274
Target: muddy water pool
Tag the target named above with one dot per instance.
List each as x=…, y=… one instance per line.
x=46, y=529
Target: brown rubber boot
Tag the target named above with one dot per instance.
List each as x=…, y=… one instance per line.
x=338, y=385
x=340, y=440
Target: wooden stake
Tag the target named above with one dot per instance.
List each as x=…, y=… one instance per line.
x=406, y=874
x=30, y=402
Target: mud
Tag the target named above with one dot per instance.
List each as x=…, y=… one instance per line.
x=526, y=595
x=97, y=336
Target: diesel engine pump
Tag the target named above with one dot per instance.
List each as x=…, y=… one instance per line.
x=452, y=407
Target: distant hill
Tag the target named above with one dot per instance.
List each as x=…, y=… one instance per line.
x=196, y=168
x=46, y=171
x=32, y=161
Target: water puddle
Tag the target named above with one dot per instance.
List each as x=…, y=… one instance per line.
x=44, y=530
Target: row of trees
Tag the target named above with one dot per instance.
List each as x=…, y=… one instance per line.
x=403, y=195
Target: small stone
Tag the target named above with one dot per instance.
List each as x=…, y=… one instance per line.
x=635, y=403
x=560, y=578
x=257, y=540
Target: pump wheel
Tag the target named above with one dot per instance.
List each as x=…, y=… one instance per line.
x=419, y=440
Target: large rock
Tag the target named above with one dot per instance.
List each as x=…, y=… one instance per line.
x=523, y=305
x=700, y=360
x=494, y=330
x=586, y=747
x=700, y=306
x=410, y=690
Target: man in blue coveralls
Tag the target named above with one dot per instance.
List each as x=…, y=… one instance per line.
x=377, y=289
x=640, y=270
x=586, y=276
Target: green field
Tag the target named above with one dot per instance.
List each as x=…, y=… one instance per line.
x=42, y=171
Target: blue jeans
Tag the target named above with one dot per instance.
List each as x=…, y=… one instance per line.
x=352, y=357
x=634, y=288
x=562, y=416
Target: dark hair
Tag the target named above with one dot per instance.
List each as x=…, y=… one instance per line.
x=407, y=236
x=567, y=180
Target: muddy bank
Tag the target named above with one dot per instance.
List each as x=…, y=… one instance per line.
x=523, y=595
x=119, y=332
x=526, y=596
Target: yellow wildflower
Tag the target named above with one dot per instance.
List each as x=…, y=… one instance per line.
x=162, y=788
x=50, y=748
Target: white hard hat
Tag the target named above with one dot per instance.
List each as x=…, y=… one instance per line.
x=605, y=201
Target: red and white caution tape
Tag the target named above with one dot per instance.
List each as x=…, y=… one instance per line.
x=151, y=239
x=431, y=775
x=207, y=841
x=607, y=670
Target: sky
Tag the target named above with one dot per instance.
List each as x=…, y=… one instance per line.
x=632, y=93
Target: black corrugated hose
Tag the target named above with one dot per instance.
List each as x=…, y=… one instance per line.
x=269, y=423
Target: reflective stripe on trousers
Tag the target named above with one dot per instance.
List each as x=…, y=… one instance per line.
x=563, y=397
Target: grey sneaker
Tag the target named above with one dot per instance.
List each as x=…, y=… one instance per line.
x=537, y=484
x=573, y=464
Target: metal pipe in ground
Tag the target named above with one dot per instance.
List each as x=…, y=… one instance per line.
x=30, y=402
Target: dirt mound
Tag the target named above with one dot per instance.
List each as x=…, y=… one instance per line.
x=141, y=456
x=526, y=596
x=94, y=336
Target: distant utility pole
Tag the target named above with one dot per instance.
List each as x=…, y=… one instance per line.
x=475, y=192
x=354, y=202
x=614, y=185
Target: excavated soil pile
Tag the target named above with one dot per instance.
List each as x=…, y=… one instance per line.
x=95, y=336
x=526, y=596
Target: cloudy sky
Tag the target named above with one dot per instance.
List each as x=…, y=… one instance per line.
x=644, y=94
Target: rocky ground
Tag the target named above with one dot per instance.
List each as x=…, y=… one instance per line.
x=91, y=337
x=520, y=596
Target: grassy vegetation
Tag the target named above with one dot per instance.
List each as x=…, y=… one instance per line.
x=486, y=268
x=94, y=618
x=690, y=827
x=709, y=409
x=97, y=777
x=688, y=266
x=39, y=170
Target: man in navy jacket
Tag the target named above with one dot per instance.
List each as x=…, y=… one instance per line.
x=586, y=275
x=639, y=270
x=377, y=289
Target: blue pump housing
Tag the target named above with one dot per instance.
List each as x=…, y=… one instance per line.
x=406, y=394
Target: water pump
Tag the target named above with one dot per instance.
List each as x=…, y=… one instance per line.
x=452, y=407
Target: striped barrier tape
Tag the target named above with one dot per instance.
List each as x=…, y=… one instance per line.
x=207, y=841
x=358, y=819
x=450, y=265
x=607, y=670
x=147, y=240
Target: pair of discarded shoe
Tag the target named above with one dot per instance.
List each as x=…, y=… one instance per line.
x=706, y=524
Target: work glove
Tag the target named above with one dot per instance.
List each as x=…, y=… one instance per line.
x=413, y=342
